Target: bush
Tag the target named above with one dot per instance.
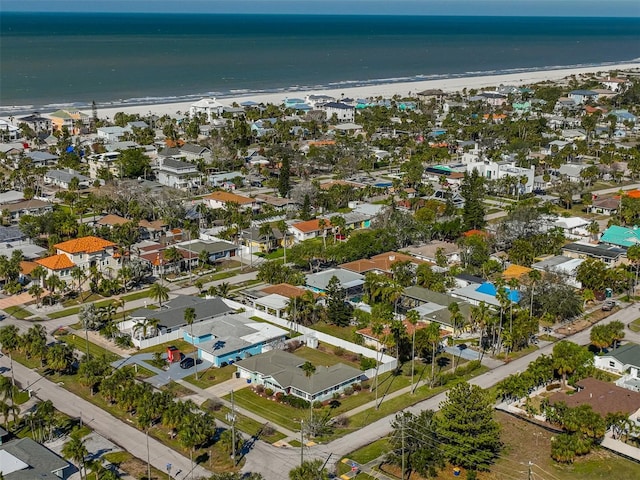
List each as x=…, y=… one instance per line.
x=366, y=386
x=268, y=392
x=341, y=421
x=295, y=402
x=338, y=351
x=293, y=345
x=279, y=396
x=366, y=363
x=317, y=404
x=214, y=404
x=260, y=388
x=348, y=391
x=357, y=387
x=552, y=386
x=268, y=430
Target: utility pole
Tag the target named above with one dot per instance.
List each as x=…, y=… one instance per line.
x=301, y=442
x=402, y=471
x=530, y=472
x=231, y=417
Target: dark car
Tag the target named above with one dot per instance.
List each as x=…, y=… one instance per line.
x=187, y=362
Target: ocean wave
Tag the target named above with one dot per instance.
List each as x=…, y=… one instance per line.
x=12, y=110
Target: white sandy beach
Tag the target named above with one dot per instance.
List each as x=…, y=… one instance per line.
x=381, y=90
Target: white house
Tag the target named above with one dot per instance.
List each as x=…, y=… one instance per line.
x=111, y=134
x=177, y=174
x=497, y=170
x=63, y=178
x=210, y=107
x=624, y=361
x=344, y=113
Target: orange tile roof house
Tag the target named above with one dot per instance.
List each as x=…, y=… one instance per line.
x=309, y=229
x=221, y=199
x=82, y=252
x=381, y=263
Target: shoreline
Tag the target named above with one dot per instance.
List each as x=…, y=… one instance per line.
x=384, y=90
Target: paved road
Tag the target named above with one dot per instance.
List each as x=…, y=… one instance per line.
x=127, y=437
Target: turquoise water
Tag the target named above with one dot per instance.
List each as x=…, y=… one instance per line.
x=51, y=59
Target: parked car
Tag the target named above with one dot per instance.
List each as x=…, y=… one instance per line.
x=608, y=305
x=187, y=362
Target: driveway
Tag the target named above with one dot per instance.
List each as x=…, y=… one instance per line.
x=161, y=377
x=466, y=353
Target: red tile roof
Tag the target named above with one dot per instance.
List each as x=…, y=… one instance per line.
x=226, y=197
x=56, y=262
x=311, y=225
x=88, y=244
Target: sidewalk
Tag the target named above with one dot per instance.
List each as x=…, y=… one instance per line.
x=619, y=447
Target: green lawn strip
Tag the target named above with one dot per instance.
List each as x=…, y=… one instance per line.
x=184, y=347
x=80, y=344
x=211, y=376
x=75, y=310
x=635, y=325
x=159, y=432
x=345, y=333
x=277, y=413
x=518, y=354
x=322, y=358
x=18, y=312
x=246, y=424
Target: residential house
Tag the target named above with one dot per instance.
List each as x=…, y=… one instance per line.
x=344, y=113
x=229, y=338
x=111, y=134
x=573, y=227
x=615, y=84
x=274, y=299
x=316, y=101
x=377, y=341
x=16, y=210
x=572, y=171
x=177, y=174
x=612, y=256
x=36, y=122
x=41, y=159
x=279, y=204
x=497, y=170
x=282, y=372
x=192, y=152
x=75, y=121
x=605, y=205
x=112, y=220
x=209, y=107
x=624, y=116
x=583, y=96
x=603, y=397
x=302, y=231
x=221, y=199
x=517, y=272
x=431, y=94
x=107, y=162
x=26, y=459
x=257, y=242
x=84, y=252
x=620, y=236
x=381, y=264
x=171, y=318
x=351, y=282
x=485, y=292
x=625, y=361
x=8, y=131
x=494, y=99
x=12, y=239
x=562, y=265
x=432, y=306
x=429, y=252
x=64, y=178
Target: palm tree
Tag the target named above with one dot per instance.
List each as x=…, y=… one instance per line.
x=534, y=277
x=145, y=325
x=282, y=226
x=309, y=470
x=76, y=450
x=480, y=316
x=189, y=317
x=377, y=329
x=36, y=290
x=432, y=333
x=173, y=257
x=308, y=368
x=266, y=230
x=455, y=316
x=413, y=317
x=159, y=292
x=38, y=273
x=10, y=342
x=78, y=275
x=60, y=357
x=322, y=226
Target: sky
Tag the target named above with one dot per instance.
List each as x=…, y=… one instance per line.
x=573, y=8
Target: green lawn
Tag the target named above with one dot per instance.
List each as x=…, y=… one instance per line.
x=18, y=312
x=345, y=333
x=80, y=343
x=635, y=325
x=321, y=358
x=212, y=376
x=184, y=347
x=275, y=412
x=246, y=424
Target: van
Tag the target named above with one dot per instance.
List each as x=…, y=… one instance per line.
x=187, y=362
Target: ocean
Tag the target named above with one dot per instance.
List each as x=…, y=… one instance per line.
x=53, y=60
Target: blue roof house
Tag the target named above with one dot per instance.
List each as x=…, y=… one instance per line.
x=621, y=236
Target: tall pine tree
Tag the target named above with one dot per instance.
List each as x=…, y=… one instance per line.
x=466, y=427
x=473, y=191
